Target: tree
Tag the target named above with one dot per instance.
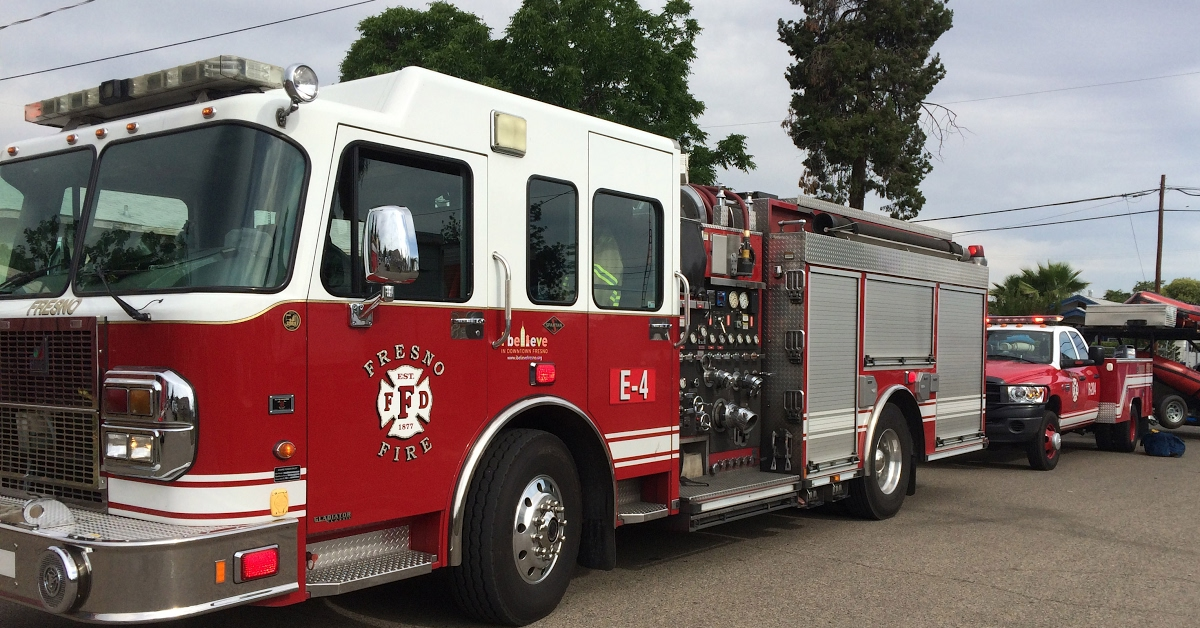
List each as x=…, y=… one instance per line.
x=1038, y=291
x=862, y=73
x=1184, y=289
x=1118, y=296
x=606, y=58
x=1143, y=286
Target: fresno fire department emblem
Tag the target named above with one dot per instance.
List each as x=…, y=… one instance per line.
x=1074, y=390
x=404, y=402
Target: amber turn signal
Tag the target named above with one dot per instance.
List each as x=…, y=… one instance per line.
x=285, y=449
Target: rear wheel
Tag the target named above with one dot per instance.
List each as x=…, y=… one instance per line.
x=889, y=461
x=521, y=530
x=1125, y=435
x=1043, y=452
x=1172, y=412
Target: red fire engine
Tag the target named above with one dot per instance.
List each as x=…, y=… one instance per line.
x=258, y=347
x=1043, y=380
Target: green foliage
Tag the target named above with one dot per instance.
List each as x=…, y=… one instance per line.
x=1143, y=286
x=1119, y=296
x=1184, y=289
x=863, y=70
x=607, y=58
x=1035, y=291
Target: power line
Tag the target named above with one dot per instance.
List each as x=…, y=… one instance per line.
x=189, y=41
x=1017, y=209
x=1063, y=222
x=51, y=12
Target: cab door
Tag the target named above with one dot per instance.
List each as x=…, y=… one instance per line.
x=393, y=404
x=1077, y=409
x=1089, y=382
x=633, y=304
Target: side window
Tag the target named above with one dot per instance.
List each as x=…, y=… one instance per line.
x=627, y=252
x=553, y=236
x=436, y=191
x=1065, y=347
x=1080, y=345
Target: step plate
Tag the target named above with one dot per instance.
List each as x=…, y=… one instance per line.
x=361, y=574
x=639, y=512
x=734, y=488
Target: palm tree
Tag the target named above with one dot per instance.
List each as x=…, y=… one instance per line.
x=1038, y=291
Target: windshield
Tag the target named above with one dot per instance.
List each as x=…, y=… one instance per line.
x=215, y=207
x=40, y=203
x=1036, y=347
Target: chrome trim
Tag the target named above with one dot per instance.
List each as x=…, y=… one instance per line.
x=198, y=609
x=390, y=253
x=507, y=299
x=454, y=543
x=884, y=398
x=687, y=310
x=173, y=423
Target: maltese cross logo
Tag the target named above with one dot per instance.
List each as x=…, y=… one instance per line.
x=404, y=401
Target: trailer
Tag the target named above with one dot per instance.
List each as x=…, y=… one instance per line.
x=258, y=346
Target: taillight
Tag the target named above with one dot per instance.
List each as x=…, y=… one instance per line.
x=256, y=564
x=116, y=400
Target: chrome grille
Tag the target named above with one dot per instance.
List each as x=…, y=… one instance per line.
x=49, y=419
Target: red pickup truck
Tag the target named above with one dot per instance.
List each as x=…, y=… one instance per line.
x=1042, y=380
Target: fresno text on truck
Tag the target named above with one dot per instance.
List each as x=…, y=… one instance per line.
x=258, y=346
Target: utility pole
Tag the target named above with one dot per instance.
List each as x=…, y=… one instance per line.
x=1162, y=192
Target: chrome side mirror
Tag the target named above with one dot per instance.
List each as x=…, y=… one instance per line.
x=390, y=246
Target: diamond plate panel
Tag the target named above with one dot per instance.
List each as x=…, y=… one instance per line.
x=360, y=547
x=97, y=526
x=780, y=315
x=839, y=253
x=369, y=569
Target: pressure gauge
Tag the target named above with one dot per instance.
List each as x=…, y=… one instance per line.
x=703, y=331
x=740, y=340
x=744, y=300
x=692, y=337
x=755, y=338
x=734, y=300
x=683, y=383
x=721, y=339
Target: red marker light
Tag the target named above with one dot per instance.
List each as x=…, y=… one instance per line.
x=911, y=377
x=116, y=400
x=542, y=374
x=975, y=250
x=256, y=564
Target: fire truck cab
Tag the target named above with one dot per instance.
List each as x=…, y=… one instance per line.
x=258, y=346
x=1043, y=381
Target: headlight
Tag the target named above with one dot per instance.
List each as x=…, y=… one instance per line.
x=1027, y=394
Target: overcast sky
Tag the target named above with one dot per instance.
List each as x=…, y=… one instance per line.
x=1028, y=150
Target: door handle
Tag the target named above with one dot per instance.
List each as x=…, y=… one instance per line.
x=507, y=299
x=687, y=308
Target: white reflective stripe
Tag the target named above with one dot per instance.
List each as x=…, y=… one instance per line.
x=630, y=463
x=234, y=477
x=202, y=500
x=8, y=564
x=295, y=514
x=643, y=446
x=653, y=430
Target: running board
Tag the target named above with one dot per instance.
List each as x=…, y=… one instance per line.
x=641, y=512
x=364, y=560
x=733, y=495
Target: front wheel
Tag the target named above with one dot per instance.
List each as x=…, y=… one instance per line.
x=521, y=530
x=1044, y=451
x=889, y=461
x=1172, y=412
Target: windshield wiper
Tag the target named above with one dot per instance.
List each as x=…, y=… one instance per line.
x=22, y=279
x=1013, y=357
x=134, y=314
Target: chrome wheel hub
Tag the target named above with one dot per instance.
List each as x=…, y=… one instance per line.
x=538, y=529
x=1056, y=441
x=888, y=463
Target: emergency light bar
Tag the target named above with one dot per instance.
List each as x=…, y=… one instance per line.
x=157, y=90
x=1045, y=319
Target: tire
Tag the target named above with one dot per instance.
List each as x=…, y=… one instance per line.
x=888, y=463
x=1104, y=436
x=521, y=530
x=1172, y=412
x=1125, y=435
x=1044, y=451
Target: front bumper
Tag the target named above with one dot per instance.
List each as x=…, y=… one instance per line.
x=1014, y=422
x=128, y=570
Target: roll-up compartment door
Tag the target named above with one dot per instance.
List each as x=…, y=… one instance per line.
x=960, y=363
x=832, y=367
x=898, y=323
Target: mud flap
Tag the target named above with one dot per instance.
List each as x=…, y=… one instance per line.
x=598, y=545
x=912, y=477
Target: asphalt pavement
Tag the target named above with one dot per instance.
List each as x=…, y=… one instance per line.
x=1103, y=540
